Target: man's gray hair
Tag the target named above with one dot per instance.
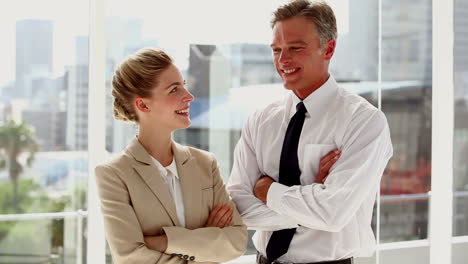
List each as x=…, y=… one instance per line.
x=319, y=12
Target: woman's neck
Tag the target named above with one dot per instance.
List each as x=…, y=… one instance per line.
x=158, y=145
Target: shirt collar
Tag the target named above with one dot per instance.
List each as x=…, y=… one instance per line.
x=173, y=168
x=163, y=170
x=318, y=100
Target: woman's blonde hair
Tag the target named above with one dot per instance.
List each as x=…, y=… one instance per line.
x=136, y=76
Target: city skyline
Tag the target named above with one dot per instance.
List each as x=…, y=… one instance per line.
x=174, y=31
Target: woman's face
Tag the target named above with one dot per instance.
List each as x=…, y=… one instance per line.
x=169, y=105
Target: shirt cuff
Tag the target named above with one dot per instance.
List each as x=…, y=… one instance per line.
x=274, y=195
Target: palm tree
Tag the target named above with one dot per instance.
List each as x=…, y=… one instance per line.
x=14, y=140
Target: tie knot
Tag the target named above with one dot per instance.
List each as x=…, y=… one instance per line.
x=300, y=108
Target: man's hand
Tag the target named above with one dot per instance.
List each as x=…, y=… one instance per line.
x=325, y=164
x=157, y=243
x=220, y=216
x=262, y=186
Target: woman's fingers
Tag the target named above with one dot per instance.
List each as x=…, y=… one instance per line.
x=219, y=215
x=222, y=216
x=229, y=221
x=213, y=214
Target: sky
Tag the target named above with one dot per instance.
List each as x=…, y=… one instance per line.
x=176, y=23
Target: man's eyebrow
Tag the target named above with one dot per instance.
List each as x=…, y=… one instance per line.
x=297, y=42
x=292, y=42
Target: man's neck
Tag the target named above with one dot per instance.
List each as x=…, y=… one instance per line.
x=305, y=92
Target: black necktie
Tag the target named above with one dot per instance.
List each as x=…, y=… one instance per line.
x=289, y=174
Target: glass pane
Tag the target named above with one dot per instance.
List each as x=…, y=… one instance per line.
x=406, y=102
x=43, y=127
x=460, y=137
x=219, y=76
x=396, y=210
x=43, y=131
x=43, y=241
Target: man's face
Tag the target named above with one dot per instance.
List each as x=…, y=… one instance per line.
x=298, y=58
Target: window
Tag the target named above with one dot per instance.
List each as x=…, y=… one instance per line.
x=43, y=186
x=384, y=53
x=460, y=137
x=406, y=101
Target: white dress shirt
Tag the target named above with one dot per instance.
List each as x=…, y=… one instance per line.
x=333, y=219
x=171, y=178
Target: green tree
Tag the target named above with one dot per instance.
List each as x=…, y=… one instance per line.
x=25, y=188
x=31, y=199
x=16, y=139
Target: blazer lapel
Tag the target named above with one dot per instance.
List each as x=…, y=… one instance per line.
x=190, y=185
x=150, y=174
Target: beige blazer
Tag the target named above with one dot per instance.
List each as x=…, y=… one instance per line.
x=135, y=202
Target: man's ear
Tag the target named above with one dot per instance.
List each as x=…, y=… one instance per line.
x=329, y=49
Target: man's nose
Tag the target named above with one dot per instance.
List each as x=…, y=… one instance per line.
x=284, y=57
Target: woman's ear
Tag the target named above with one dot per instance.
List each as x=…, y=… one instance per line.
x=141, y=105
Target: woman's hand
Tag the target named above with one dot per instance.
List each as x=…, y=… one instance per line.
x=157, y=243
x=220, y=216
x=325, y=164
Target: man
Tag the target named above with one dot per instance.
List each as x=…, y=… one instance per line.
x=277, y=157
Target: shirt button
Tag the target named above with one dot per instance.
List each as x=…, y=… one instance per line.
x=192, y=258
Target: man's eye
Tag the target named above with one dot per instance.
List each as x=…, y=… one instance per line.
x=173, y=90
x=296, y=48
x=275, y=51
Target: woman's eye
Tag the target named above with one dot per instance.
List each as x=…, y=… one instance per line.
x=173, y=90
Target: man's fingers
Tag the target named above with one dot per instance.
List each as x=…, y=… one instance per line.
x=320, y=178
x=330, y=155
x=327, y=157
x=326, y=170
x=325, y=164
x=326, y=167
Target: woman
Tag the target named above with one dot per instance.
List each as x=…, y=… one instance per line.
x=163, y=202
